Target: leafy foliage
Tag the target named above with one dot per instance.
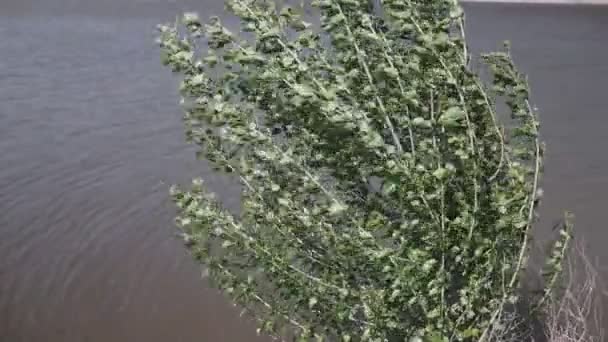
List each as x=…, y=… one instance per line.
x=382, y=200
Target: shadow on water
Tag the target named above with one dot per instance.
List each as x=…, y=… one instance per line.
x=90, y=136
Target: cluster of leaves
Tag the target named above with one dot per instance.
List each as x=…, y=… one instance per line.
x=382, y=200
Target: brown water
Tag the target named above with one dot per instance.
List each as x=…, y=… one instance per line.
x=90, y=136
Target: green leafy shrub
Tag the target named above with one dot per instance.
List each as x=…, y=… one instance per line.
x=381, y=198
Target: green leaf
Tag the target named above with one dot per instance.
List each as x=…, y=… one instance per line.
x=421, y=122
x=440, y=173
x=452, y=117
x=210, y=59
x=284, y=202
x=392, y=72
x=336, y=208
x=299, y=25
x=401, y=14
x=312, y=302
x=432, y=315
x=191, y=18
x=303, y=90
x=471, y=332
x=336, y=19
x=197, y=80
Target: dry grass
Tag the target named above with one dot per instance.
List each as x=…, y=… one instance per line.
x=572, y=314
x=510, y=328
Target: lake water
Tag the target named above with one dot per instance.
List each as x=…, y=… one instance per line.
x=91, y=137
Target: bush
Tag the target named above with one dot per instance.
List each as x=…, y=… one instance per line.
x=381, y=198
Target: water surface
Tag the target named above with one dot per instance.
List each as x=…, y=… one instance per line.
x=90, y=137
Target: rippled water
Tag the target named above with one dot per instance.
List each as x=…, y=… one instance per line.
x=90, y=136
